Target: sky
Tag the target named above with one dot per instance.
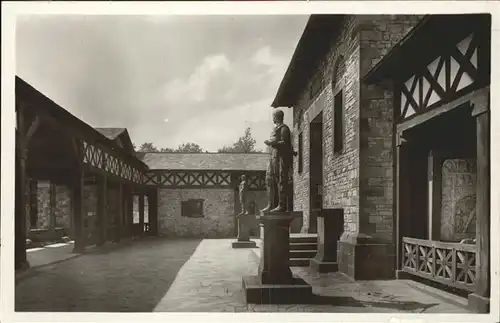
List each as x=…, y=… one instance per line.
x=167, y=79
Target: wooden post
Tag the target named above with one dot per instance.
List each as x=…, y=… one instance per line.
x=20, y=209
x=101, y=210
x=22, y=141
x=434, y=194
x=141, y=212
x=402, y=190
x=130, y=212
x=78, y=203
x=33, y=203
x=153, y=211
x=52, y=214
x=105, y=221
x=479, y=301
x=119, y=227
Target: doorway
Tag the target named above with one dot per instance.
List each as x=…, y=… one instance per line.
x=315, y=171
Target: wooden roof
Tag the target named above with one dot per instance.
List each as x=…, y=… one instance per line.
x=38, y=104
x=432, y=35
x=206, y=161
x=315, y=41
x=111, y=133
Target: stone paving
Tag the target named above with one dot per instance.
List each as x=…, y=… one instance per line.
x=130, y=277
x=180, y=275
x=211, y=282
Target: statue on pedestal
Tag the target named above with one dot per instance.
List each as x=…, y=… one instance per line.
x=279, y=170
x=243, y=195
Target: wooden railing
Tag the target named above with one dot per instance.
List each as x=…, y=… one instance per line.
x=452, y=264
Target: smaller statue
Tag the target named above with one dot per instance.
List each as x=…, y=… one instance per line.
x=243, y=195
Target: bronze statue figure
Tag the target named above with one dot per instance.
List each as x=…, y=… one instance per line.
x=279, y=170
x=243, y=195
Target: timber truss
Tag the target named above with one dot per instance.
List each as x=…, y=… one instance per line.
x=449, y=75
x=101, y=159
x=203, y=179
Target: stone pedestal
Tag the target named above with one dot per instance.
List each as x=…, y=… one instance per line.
x=363, y=258
x=243, y=233
x=330, y=227
x=275, y=283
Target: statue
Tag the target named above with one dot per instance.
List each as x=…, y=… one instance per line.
x=279, y=169
x=243, y=195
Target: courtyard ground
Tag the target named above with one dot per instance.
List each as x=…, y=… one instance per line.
x=179, y=275
x=131, y=277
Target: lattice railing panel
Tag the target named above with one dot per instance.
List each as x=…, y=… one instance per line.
x=453, y=264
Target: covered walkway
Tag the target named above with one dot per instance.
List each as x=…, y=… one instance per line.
x=101, y=177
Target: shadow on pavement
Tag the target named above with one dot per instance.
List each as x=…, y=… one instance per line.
x=126, y=278
x=353, y=302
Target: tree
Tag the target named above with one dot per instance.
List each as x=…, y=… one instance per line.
x=148, y=147
x=244, y=144
x=189, y=147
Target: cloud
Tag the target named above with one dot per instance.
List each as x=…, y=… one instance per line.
x=224, y=127
x=137, y=71
x=195, y=88
x=275, y=64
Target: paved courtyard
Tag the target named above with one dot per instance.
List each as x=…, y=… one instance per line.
x=179, y=275
x=131, y=277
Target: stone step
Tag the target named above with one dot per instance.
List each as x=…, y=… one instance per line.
x=299, y=262
x=294, y=254
x=304, y=246
x=303, y=238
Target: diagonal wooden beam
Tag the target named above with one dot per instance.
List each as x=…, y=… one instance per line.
x=33, y=126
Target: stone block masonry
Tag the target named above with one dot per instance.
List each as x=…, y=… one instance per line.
x=359, y=178
x=218, y=219
x=340, y=174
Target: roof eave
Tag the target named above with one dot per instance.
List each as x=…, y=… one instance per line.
x=286, y=95
x=23, y=86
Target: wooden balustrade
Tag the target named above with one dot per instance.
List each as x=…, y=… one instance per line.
x=452, y=264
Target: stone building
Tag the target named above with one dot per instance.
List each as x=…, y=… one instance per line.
x=385, y=130
x=198, y=192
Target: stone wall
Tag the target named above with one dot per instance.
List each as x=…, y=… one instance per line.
x=62, y=210
x=43, y=205
x=359, y=178
x=377, y=35
x=218, y=210
x=340, y=185
x=458, y=218
x=63, y=207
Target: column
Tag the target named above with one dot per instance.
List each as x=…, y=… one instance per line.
x=402, y=196
x=119, y=224
x=130, y=212
x=141, y=212
x=479, y=301
x=52, y=214
x=435, y=160
x=20, y=208
x=153, y=211
x=101, y=209
x=78, y=187
x=33, y=203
